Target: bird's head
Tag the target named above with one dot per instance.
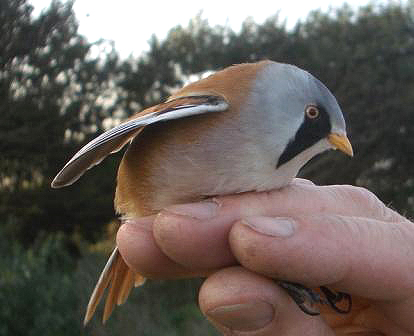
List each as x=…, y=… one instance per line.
x=305, y=118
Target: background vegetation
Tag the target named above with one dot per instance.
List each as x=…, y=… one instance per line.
x=55, y=96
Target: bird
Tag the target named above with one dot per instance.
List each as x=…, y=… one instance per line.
x=248, y=127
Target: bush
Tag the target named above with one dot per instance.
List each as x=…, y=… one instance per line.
x=36, y=289
x=44, y=291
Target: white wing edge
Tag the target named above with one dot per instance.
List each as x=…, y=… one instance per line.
x=89, y=156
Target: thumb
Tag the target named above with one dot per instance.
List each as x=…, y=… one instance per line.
x=362, y=256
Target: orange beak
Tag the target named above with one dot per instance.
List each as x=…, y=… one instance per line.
x=341, y=142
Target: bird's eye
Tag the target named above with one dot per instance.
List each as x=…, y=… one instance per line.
x=312, y=111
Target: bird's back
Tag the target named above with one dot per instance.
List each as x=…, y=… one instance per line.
x=167, y=164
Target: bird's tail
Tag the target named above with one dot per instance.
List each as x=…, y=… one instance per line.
x=120, y=279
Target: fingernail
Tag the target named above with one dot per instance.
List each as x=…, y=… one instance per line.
x=243, y=317
x=201, y=210
x=272, y=226
x=137, y=224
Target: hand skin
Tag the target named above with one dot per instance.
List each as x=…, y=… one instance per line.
x=342, y=237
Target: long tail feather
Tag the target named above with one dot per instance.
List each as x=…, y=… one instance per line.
x=126, y=286
x=120, y=279
x=101, y=285
x=120, y=270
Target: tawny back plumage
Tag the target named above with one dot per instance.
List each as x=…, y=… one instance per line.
x=135, y=182
x=136, y=187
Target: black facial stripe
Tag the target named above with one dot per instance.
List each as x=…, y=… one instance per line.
x=309, y=133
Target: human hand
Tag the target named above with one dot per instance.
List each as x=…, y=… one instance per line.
x=342, y=237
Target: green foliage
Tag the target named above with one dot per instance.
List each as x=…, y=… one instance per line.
x=36, y=289
x=44, y=291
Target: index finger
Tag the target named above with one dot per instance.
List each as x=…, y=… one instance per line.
x=196, y=235
x=301, y=198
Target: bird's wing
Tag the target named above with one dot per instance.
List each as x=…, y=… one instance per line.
x=113, y=140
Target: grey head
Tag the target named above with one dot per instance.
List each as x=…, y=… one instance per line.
x=301, y=112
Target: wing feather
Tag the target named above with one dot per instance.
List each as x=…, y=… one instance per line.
x=113, y=140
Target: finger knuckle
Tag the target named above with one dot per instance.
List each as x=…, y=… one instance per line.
x=362, y=196
x=372, y=205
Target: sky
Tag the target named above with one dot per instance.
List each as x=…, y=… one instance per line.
x=130, y=23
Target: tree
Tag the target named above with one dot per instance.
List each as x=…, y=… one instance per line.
x=52, y=96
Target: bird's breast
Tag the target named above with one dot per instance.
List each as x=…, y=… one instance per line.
x=191, y=159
